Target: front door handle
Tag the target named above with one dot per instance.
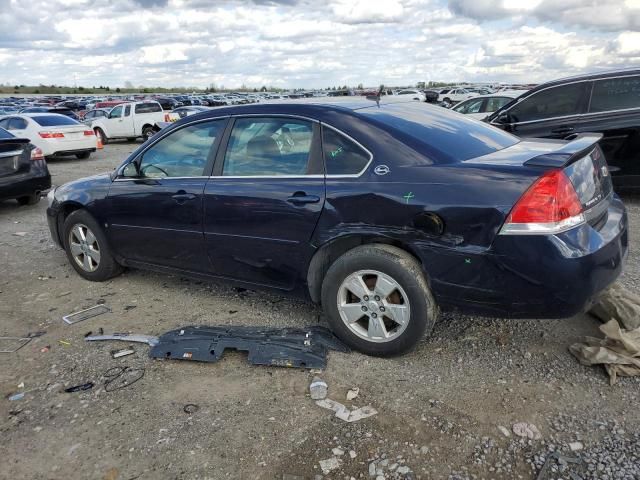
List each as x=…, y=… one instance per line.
x=301, y=198
x=563, y=130
x=182, y=197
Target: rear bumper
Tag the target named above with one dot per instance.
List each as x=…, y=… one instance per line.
x=534, y=276
x=28, y=183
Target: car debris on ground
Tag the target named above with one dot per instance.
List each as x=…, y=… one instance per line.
x=618, y=352
x=318, y=389
x=86, y=314
x=282, y=347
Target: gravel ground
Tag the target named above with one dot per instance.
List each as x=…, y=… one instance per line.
x=445, y=410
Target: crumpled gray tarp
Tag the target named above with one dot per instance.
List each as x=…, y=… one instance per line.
x=619, y=303
x=619, y=351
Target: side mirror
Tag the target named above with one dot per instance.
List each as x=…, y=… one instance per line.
x=503, y=118
x=131, y=170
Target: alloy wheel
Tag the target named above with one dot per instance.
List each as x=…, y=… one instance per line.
x=84, y=247
x=373, y=306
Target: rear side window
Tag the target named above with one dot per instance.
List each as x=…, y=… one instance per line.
x=54, y=120
x=558, y=101
x=17, y=124
x=148, y=107
x=615, y=94
x=127, y=110
x=341, y=155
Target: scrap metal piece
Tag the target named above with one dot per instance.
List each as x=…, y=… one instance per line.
x=283, y=347
x=123, y=352
x=125, y=337
x=13, y=344
x=79, y=388
x=86, y=314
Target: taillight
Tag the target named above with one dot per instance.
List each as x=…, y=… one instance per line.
x=37, y=154
x=88, y=133
x=51, y=134
x=549, y=206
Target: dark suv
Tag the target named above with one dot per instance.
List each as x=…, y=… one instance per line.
x=607, y=103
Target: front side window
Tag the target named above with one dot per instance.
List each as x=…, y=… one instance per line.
x=268, y=147
x=553, y=102
x=471, y=106
x=127, y=110
x=116, y=112
x=615, y=94
x=182, y=153
x=342, y=156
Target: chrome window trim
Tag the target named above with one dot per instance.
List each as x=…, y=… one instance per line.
x=301, y=117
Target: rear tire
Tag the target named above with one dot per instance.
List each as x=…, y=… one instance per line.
x=91, y=257
x=394, y=288
x=83, y=155
x=103, y=138
x=29, y=199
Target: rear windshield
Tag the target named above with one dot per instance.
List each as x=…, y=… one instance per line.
x=54, y=120
x=4, y=134
x=441, y=134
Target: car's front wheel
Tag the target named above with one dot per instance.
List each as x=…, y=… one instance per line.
x=377, y=300
x=87, y=249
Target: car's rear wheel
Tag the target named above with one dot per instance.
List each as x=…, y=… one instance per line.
x=83, y=155
x=103, y=138
x=87, y=249
x=29, y=199
x=377, y=300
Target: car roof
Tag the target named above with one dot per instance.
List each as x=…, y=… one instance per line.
x=591, y=76
x=508, y=93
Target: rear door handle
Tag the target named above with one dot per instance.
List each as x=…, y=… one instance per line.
x=563, y=130
x=300, y=198
x=182, y=197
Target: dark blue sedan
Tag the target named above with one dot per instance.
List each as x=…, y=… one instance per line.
x=384, y=213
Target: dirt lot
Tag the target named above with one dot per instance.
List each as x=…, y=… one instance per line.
x=439, y=407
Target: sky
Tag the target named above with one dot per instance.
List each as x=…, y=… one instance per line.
x=310, y=43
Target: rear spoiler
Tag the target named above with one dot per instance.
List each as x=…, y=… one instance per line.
x=579, y=146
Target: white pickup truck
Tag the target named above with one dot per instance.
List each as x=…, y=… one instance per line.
x=130, y=121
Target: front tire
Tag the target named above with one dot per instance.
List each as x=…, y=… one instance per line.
x=377, y=300
x=87, y=248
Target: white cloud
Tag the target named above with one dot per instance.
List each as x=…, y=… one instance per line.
x=304, y=43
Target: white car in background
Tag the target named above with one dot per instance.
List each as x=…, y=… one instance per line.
x=52, y=133
x=481, y=106
x=414, y=94
x=131, y=120
x=451, y=96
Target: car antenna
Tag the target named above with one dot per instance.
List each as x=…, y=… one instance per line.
x=376, y=97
